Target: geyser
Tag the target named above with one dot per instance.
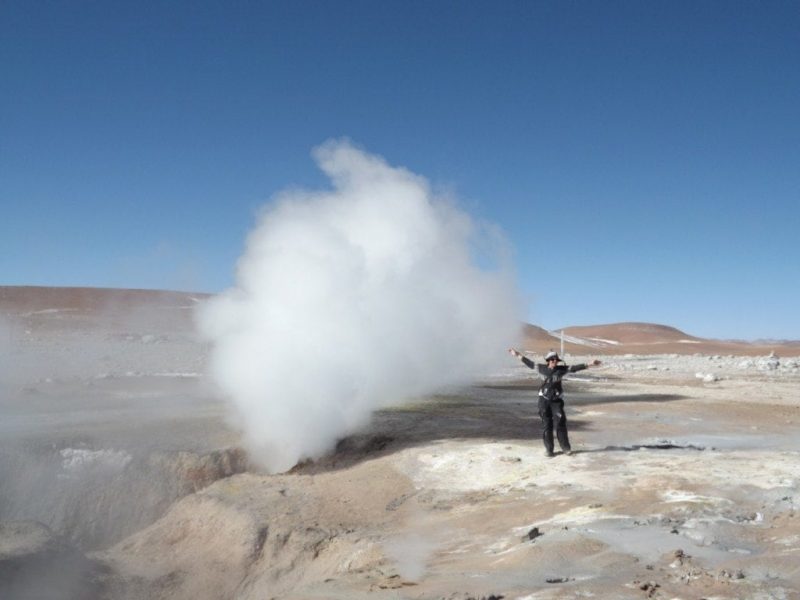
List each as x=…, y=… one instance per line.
x=352, y=299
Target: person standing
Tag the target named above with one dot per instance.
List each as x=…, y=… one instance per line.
x=551, y=401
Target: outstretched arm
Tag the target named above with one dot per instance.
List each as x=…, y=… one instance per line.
x=582, y=366
x=525, y=360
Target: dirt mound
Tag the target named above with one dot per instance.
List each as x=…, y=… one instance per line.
x=256, y=536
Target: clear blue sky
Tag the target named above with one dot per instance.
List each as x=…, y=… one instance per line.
x=643, y=157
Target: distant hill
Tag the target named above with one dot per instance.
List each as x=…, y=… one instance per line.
x=631, y=333
x=67, y=307
x=644, y=338
x=71, y=308
x=27, y=299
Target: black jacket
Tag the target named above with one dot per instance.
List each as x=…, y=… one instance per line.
x=551, y=378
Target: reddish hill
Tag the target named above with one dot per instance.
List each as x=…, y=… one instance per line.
x=27, y=299
x=651, y=338
x=631, y=333
x=64, y=308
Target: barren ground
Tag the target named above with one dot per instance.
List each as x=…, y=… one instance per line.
x=120, y=479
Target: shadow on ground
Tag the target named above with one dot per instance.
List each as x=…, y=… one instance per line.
x=497, y=411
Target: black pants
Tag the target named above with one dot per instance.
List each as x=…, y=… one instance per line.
x=548, y=410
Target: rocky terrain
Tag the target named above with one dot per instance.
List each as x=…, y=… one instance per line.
x=120, y=477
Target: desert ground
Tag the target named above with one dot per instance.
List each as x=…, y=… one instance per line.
x=121, y=477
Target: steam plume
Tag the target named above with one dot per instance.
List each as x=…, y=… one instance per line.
x=349, y=300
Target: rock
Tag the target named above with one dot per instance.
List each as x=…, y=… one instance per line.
x=706, y=377
x=648, y=585
x=533, y=534
x=725, y=574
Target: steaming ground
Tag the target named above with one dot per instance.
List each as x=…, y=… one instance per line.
x=106, y=421
x=679, y=489
x=121, y=479
x=371, y=290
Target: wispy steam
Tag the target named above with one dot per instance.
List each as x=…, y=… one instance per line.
x=353, y=299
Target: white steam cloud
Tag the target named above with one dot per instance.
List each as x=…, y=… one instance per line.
x=350, y=300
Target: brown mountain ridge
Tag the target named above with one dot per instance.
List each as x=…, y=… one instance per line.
x=644, y=338
x=47, y=305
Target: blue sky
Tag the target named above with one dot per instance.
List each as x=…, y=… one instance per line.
x=642, y=157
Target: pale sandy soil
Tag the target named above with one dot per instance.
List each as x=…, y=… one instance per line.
x=119, y=481
x=678, y=489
